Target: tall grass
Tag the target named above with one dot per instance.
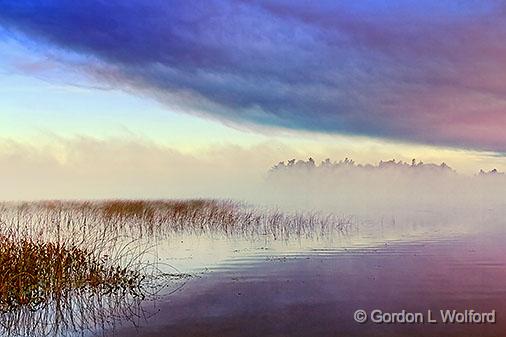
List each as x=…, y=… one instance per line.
x=33, y=272
x=116, y=219
x=54, y=263
x=58, y=258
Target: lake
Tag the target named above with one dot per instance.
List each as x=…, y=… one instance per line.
x=314, y=292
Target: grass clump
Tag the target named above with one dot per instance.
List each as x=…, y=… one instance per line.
x=35, y=272
x=83, y=265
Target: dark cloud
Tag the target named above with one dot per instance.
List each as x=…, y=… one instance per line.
x=431, y=72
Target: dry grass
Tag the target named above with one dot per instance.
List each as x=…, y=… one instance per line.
x=208, y=217
x=32, y=273
x=78, y=263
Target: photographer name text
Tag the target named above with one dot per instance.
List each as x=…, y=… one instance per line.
x=443, y=316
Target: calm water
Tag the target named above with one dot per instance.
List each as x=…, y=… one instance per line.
x=284, y=291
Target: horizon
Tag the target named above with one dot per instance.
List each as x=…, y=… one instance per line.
x=252, y=168
x=227, y=104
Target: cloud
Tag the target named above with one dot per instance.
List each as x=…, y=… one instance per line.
x=85, y=167
x=430, y=72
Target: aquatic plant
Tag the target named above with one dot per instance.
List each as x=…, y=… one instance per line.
x=34, y=272
x=66, y=265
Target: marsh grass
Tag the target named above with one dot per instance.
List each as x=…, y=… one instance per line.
x=80, y=265
x=222, y=217
x=51, y=247
x=34, y=272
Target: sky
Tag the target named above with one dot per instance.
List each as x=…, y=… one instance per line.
x=172, y=98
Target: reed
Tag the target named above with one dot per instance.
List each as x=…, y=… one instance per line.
x=32, y=273
x=59, y=258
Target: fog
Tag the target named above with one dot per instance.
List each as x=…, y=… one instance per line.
x=390, y=191
x=87, y=168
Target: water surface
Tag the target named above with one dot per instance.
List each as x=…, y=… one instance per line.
x=262, y=291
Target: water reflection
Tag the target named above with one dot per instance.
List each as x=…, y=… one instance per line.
x=89, y=312
x=281, y=273
x=78, y=312
x=315, y=293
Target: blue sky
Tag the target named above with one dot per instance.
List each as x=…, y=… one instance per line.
x=426, y=72
x=263, y=81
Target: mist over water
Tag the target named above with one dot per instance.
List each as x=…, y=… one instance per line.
x=139, y=194
x=389, y=191
x=299, y=220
